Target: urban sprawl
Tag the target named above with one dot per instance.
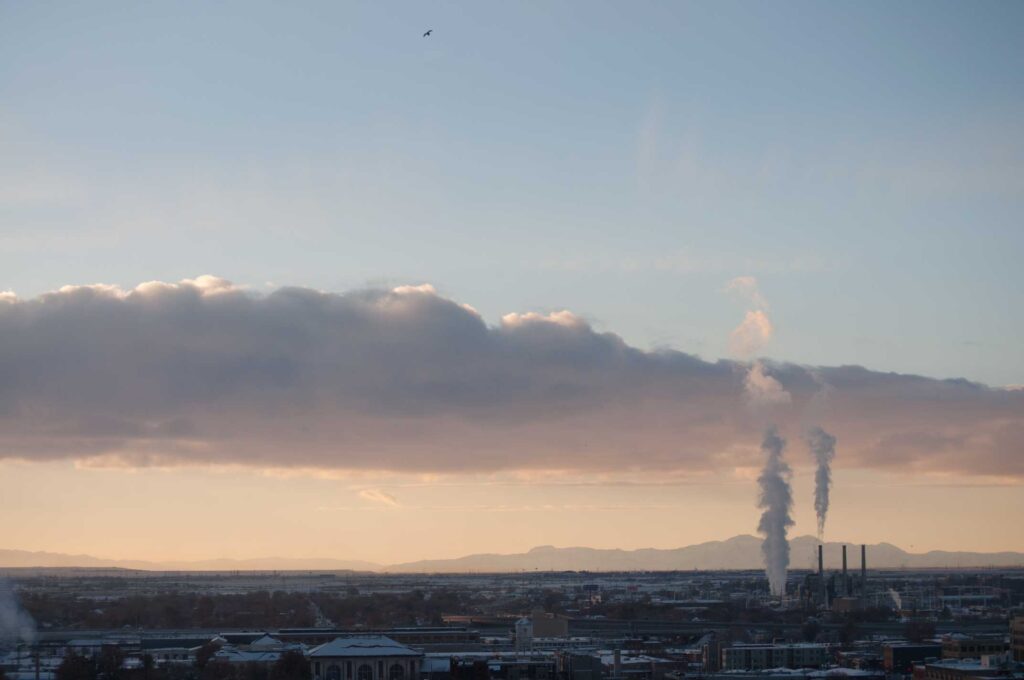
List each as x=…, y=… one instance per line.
x=108, y=624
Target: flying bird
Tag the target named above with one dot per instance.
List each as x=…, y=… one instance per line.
x=428, y=32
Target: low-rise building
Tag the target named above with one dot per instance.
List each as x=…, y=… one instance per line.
x=546, y=624
x=490, y=666
x=176, y=651
x=965, y=647
x=901, y=657
x=761, y=657
x=364, y=658
x=572, y=666
x=973, y=669
x=637, y=665
x=1017, y=639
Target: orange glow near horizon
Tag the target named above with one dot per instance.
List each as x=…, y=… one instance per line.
x=204, y=513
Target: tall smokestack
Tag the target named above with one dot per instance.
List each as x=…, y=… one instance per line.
x=776, y=500
x=821, y=561
x=823, y=448
x=863, y=569
x=846, y=583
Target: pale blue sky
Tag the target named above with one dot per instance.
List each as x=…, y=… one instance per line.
x=864, y=160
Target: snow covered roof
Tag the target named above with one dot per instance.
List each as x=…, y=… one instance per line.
x=626, y=658
x=845, y=672
x=244, y=656
x=173, y=643
x=370, y=645
x=86, y=642
x=265, y=642
x=767, y=672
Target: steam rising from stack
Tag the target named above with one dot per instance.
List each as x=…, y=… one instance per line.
x=762, y=389
x=764, y=393
x=823, y=448
x=776, y=501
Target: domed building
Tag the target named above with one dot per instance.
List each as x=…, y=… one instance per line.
x=364, y=658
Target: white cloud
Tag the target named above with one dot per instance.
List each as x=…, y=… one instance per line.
x=764, y=390
x=200, y=372
x=563, y=318
x=423, y=288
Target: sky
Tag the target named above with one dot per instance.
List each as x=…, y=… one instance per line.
x=418, y=289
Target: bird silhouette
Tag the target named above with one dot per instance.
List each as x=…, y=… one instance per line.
x=428, y=33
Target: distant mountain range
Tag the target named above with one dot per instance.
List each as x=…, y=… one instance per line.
x=739, y=552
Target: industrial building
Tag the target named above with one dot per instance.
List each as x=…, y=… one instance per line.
x=842, y=591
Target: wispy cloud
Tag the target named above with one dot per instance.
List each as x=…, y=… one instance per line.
x=512, y=507
x=746, y=288
x=378, y=496
x=682, y=263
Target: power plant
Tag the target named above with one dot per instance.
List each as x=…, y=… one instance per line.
x=846, y=578
x=839, y=590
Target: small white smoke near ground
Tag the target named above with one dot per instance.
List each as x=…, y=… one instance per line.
x=16, y=626
x=776, y=501
x=823, y=448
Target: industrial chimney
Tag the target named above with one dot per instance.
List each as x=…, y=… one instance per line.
x=846, y=582
x=863, y=569
x=821, y=561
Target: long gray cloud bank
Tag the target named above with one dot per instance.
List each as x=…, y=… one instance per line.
x=406, y=380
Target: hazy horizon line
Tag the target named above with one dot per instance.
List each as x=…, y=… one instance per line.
x=374, y=565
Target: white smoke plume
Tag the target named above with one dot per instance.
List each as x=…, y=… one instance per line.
x=16, y=626
x=756, y=329
x=763, y=392
x=776, y=500
x=823, y=448
x=751, y=336
x=746, y=287
x=762, y=389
